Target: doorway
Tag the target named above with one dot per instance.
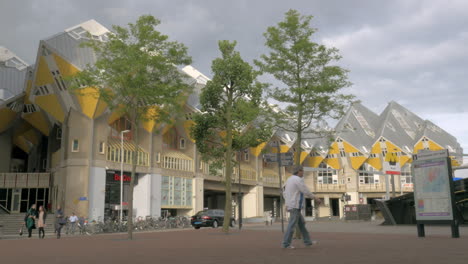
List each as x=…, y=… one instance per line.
x=335, y=206
x=16, y=201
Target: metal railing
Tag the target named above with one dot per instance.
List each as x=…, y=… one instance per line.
x=4, y=209
x=174, y=163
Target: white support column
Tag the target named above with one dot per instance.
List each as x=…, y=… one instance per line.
x=253, y=202
x=96, y=193
x=197, y=192
x=155, y=195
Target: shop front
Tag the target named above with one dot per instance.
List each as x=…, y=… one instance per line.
x=112, y=194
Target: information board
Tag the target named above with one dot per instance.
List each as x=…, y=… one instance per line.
x=432, y=193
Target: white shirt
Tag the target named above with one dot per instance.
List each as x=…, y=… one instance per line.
x=73, y=218
x=292, y=190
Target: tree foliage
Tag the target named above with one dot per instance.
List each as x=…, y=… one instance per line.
x=313, y=82
x=231, y=105
x=136, y=75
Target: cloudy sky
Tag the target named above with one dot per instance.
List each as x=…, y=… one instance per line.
x=411, y=52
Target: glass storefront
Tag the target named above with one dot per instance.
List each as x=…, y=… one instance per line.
x=19, y=200
x=176, y=192
x=112, y=196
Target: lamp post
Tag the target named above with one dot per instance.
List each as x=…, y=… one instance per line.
x=121, y=173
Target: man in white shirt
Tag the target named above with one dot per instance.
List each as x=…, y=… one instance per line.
x=73, y=220
x=294, y=192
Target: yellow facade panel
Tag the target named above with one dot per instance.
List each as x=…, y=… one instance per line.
x=434, y=146
x=333, y=162
x=100, y=108
x=88, y=99
x=356, y=162
x=349, y=148
x=258, y=149
x=39, y=121
x=418, y=147
x=51, y=105
x=375, y=162
x=334, y=149
x=66, y=69
x=314, y=162
x=43, y=75
x=376, y=149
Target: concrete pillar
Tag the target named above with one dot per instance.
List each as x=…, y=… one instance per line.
x=142, y=196
x=155, y=195
x=197, y=192
x=253, y=202
x=96, y=193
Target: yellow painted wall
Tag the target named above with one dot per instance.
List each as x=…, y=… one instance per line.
x=434, y=146
x=418, y=147
x=39, y=121
x=43, y=75
x=66, y=69
x=257, y=150
x=51, y=105
x=88, y=99
x=314, y=162
x=375, y=162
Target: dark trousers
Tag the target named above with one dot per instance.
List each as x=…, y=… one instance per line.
x=29, y=232
x=58, y=228
x=41, y=230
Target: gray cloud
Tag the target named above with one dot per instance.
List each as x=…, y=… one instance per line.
x=412, y=52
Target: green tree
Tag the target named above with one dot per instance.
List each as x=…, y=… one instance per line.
x=229, y=119
x=313, y=83
x=136, y=75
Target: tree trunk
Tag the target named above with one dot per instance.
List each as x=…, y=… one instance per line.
x=132, y=179
x=228, y=159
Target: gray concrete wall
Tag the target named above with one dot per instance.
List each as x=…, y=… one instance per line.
x=5, y=153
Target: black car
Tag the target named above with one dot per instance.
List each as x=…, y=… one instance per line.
x=211, y=217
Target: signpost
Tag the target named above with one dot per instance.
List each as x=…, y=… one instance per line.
x=283, y=159
x=433, y=191
x=391, y=166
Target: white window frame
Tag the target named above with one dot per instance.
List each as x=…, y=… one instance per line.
x=73, y=149
x=102, y=147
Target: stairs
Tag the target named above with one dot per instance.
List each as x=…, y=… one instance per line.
x=10, y=225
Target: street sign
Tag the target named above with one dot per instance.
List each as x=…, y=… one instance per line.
x=287, y=159
x=391, y=164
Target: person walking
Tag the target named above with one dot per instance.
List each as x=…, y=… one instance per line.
x=294, y=192
x=30, y=219
x=60, y=221
x=41, y=221
x=73, y=220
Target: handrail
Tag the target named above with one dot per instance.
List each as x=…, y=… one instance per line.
x=4, y=209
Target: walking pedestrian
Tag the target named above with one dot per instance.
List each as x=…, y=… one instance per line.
x=60, y=221
x=41, y=221
x=73, y=220
x=294, y=192
x=30, y=219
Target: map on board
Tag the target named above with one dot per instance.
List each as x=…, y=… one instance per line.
x=432, y=190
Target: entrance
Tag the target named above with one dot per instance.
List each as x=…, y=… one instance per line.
x=335, y=206
x=16, y=201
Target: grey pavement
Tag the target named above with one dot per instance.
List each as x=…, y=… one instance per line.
x=363, y=227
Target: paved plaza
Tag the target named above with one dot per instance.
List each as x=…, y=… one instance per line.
x=339, y=242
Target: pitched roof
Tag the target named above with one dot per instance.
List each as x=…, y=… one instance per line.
x=12, y=74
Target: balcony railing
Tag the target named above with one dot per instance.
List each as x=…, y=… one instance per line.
x=321, y=187
x=24, y=180
x=372, y=187
x=176, y=163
